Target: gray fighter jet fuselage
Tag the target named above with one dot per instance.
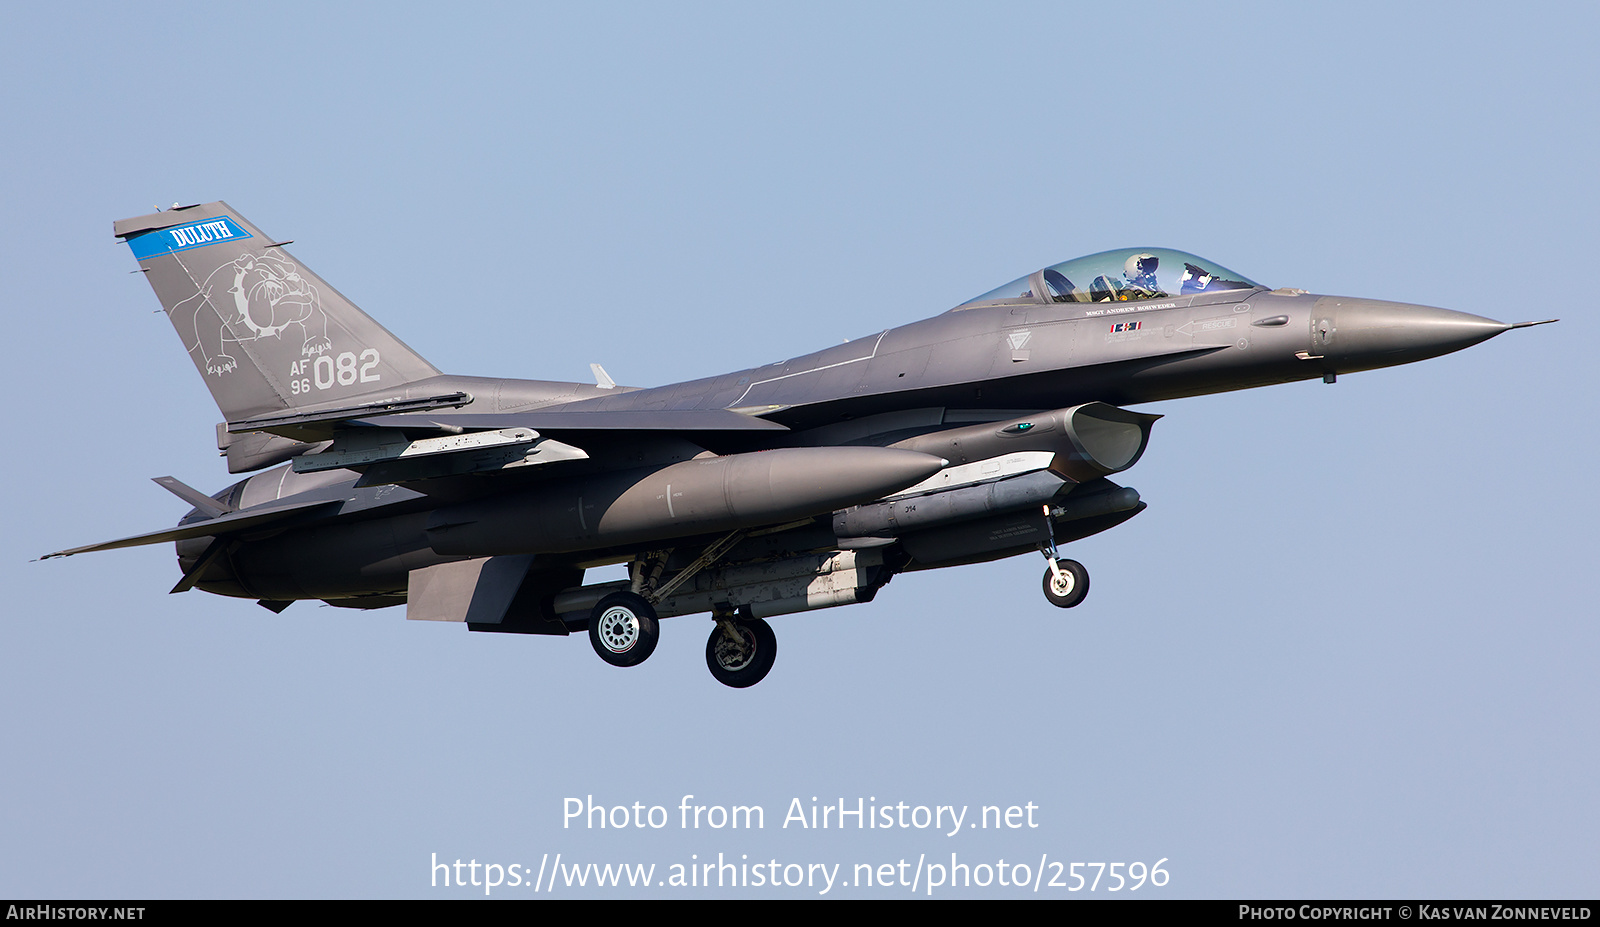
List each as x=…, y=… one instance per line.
x=987, y=431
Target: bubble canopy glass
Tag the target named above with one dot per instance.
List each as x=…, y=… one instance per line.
x=1125, y=275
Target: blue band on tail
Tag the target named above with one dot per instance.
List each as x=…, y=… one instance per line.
x=183, y=237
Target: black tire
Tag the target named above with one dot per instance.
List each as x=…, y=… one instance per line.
x=1072, y=589
x=743, y=663
x=623, y=629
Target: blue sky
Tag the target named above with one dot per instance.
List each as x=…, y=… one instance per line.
x=1348, y=650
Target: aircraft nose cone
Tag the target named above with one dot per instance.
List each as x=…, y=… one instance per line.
x=1359, y=334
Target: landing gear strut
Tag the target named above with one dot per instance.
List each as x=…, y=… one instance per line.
x=740, y=650
x=623, y=627
x=1066, y=582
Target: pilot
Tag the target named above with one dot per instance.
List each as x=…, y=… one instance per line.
x=1139, y=276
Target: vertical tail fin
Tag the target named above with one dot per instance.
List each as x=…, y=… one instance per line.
x=265, y=332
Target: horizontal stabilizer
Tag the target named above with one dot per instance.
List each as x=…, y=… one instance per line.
x=227, y=524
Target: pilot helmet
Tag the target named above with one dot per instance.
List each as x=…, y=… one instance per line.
x=1140, y=265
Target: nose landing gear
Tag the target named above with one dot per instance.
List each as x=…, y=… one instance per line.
x=1066, y=582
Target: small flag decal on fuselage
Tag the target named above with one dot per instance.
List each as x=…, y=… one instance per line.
x=1126, y=327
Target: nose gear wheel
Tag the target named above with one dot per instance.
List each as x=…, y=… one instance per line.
x=1066, y=583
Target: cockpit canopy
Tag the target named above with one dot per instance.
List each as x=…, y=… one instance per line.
x=1125, y=275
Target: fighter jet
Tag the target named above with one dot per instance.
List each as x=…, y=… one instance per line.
x=990, y=430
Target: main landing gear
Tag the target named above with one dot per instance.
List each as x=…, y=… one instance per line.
x=1066, y=582
x=624, y=628
x=740, y=650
